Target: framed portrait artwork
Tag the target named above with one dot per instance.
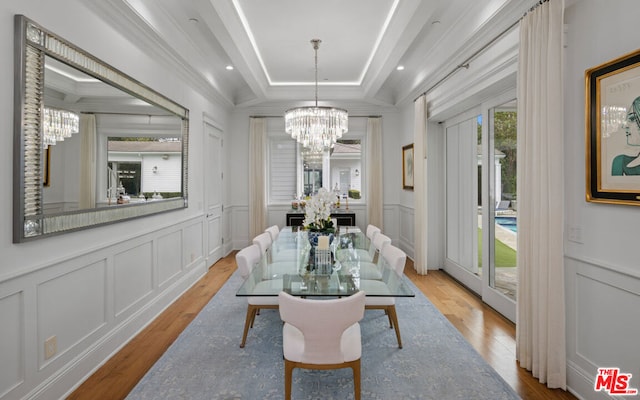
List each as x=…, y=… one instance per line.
x=613, y=131
x=407, y=167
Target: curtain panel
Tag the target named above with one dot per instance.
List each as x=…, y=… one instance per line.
x=257, y=176
x=419, y=185
x=374, y=172
x=540, y=322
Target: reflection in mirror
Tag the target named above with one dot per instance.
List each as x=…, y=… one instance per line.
x=93, y=146
x=76, y=178
x=143, y=169
x=337, y=169
x=312, y=171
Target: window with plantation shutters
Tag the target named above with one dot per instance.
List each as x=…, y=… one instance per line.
x=282, y=170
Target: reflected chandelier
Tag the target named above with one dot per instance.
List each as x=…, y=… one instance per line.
x=316, y=128
x=58, y=125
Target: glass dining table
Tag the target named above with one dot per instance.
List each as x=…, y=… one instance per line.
x=293, y=265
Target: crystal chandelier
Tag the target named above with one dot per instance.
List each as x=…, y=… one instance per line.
x=316, y=128
x=58, y=125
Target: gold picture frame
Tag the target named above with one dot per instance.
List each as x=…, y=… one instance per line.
x=407, y=167
x=613, y=131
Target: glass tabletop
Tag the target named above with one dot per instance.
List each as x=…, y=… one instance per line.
x=350, y=265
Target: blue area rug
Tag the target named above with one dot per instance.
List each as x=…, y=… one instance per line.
x=206, y=362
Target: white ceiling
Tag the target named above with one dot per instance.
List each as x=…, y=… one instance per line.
x=363, y=41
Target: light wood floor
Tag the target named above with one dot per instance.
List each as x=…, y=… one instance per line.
x=490, y=334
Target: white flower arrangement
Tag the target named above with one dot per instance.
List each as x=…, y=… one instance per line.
x=318, y=212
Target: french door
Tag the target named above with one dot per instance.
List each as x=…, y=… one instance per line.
x=213, y=192
x=481, y=214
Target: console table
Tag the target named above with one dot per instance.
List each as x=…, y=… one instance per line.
x=342, y=218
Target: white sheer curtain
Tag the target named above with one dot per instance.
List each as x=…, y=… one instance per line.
x=87, y=161
x=374, y=172
x=419, y=185
x=257, y=176
x=540, y=323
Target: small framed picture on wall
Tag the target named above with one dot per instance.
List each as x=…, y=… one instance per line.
x=407, y=167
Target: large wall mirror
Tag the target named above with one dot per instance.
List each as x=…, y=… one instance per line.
x=338, y=169
x=92, y=145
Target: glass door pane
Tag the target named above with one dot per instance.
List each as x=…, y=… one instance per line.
x=504, y=218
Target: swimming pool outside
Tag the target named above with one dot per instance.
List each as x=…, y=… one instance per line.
x=507, y=222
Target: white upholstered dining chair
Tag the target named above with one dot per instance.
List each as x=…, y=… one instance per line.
x=276, y=252
x=395, y=260
x=321, y=334
x=263, y=241
x=273, y=231
x=372, y=230
x=246, y=260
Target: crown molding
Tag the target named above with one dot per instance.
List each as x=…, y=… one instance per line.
x=124, y=19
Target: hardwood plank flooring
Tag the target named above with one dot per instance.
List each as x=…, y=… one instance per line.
x=488, y=332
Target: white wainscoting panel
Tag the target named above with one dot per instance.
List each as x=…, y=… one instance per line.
x=214, y=237
x=406, y=230
x=602, y=322
x=240, y=227
x=192, y=244
x=609, y=315
x=71, y=307
x=360, y=210
x=12, y=343
x=169, y=264
x=133, y=276
x=227, y=232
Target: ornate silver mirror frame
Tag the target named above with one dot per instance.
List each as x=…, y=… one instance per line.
x=32, y=43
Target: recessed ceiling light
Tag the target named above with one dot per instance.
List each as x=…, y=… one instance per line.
x=229, y=67
x=400, y=67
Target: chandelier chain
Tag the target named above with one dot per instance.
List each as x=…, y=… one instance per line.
x=316, y=45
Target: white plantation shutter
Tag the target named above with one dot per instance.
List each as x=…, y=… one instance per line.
x=282, y=170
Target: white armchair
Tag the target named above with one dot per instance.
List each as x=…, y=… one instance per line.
x=321, y=334
x=246, y=260
x=268, y=243
x=273, y=231
x=263, y=241
x=395, y=260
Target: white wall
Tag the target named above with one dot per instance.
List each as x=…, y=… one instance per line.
x=93, y=289
x=601, y=259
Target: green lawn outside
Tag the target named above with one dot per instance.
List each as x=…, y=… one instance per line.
x=505, y=255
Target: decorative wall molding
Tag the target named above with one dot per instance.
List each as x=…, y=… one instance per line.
x=406, y=232
x=588, y=345
x=93, y=302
